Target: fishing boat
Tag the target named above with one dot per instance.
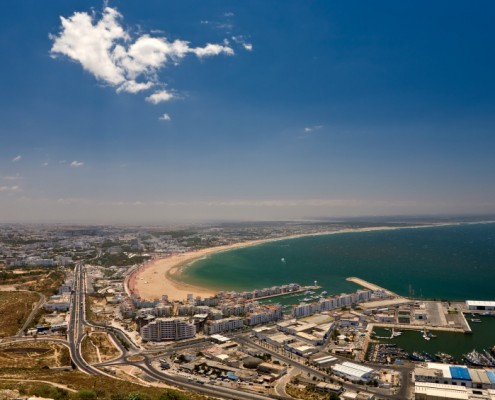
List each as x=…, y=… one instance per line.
x=477, y=359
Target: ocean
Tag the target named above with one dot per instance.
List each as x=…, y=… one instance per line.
x=454, y=262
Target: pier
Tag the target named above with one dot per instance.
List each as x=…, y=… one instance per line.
x=371, y=286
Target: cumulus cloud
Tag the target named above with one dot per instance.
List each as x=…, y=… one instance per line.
x=165, y=117
x=159, y=97
x=17, y=158
x=113, y=55
x=76, y=164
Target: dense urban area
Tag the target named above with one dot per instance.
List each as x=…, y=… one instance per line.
x=72, y=327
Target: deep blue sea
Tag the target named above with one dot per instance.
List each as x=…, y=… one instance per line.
x=451, y=262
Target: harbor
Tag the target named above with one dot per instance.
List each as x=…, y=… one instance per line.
x=447, y=342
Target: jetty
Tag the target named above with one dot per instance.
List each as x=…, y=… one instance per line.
x=371, y=286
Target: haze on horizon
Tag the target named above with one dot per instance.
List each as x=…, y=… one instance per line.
x=140, y=112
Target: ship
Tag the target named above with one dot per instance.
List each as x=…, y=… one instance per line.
x=478, y=359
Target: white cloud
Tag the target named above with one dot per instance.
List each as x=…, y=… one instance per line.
x=312, y=128
x=242, y=41
x=129, y=63
x=212, y=50
x=11, y=177
x=9, y=188
x=76, y=164
x=229, y=14
x=165, y=117
x=134, y=87
x=159, y=97
x=17, y=158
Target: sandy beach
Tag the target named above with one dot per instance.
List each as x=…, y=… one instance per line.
x=156, y=278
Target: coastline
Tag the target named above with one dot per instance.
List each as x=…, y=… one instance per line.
x=162, y=276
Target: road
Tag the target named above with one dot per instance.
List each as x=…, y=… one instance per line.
x=32, y=314
x=76, y=334
x=321, y=375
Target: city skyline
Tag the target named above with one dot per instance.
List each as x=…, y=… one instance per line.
x=115, y=112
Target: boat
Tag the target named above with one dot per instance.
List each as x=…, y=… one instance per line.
x=489, y=357
x=475, y=320
x=417, y=357
x=445, y=358
x=282, y=259
x=478, y=359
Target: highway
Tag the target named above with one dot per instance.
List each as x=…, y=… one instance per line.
x=76, y=334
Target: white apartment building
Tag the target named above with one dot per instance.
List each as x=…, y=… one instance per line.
x=168, y=329
x=223, y=325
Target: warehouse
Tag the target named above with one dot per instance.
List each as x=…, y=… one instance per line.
x=480, y=305
x=353, y=372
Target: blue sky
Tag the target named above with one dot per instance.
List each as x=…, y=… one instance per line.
x=160, y=111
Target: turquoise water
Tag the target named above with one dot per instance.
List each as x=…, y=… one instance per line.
x=452, y=262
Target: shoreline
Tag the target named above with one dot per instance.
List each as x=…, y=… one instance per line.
x=162, y=276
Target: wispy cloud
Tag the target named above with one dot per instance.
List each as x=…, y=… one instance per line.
x=76, y=164
x=11, y=177
x=165, y=117
x=243, y=42
x=310, y=129
x=17, y=158
x=9, y=188
x=113, y=55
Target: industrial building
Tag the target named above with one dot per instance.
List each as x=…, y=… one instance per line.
x=480, y=305
x=353, y=372
x=437, y=391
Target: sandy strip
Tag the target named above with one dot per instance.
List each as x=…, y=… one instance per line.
x=156, y=278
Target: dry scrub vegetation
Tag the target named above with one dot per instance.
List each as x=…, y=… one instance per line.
x=89, y=387
x=34, y=355
x=15, y=307
x=97, y=348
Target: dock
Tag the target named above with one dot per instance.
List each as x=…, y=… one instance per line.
x=371, y=286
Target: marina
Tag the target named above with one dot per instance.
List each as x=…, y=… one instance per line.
x=451, y=344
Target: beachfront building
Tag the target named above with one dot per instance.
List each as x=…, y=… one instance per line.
x=270, y=314
x=168, y=329
x=331, y=303
x=223, y=325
